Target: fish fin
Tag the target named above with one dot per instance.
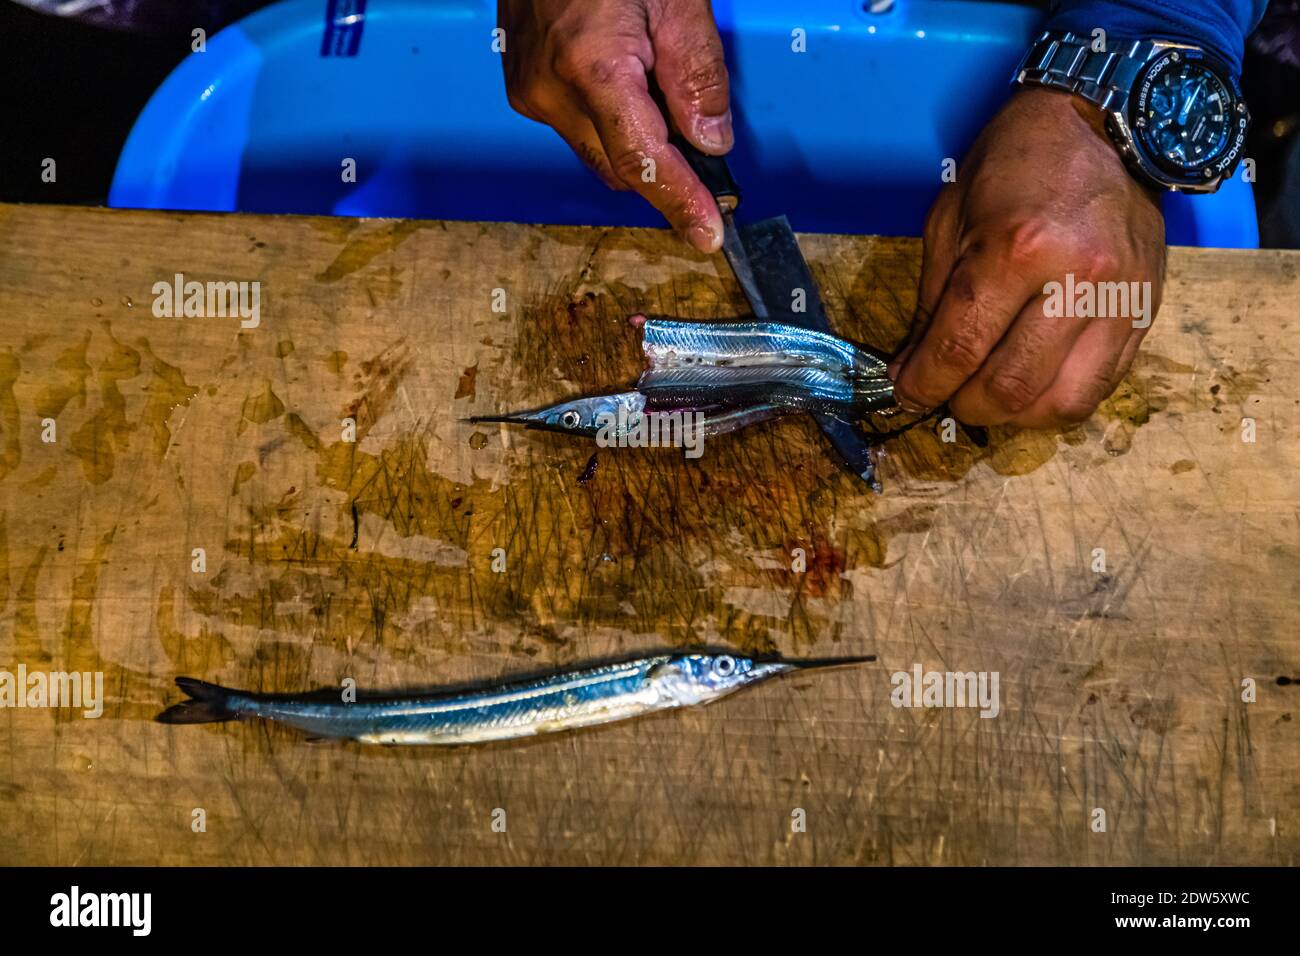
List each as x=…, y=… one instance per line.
x=208, y=704
x=664, y=669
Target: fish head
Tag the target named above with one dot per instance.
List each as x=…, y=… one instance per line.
x=579, y=416
x=691, y=679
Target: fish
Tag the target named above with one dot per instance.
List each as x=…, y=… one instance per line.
x=733, y=373
x=594, y=695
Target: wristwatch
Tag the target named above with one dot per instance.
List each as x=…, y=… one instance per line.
x=1174, y=112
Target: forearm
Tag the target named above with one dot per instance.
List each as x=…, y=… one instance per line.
x=1220, y=26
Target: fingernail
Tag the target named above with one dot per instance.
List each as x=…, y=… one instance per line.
x=704, y=237
x=906, y=404
x=714, y=132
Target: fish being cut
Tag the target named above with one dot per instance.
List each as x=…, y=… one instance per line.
x=734, y=374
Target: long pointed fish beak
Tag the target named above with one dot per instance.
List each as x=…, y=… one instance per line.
x=813, y=663
x=763, y=669
x=538, y=421
x=527, y=419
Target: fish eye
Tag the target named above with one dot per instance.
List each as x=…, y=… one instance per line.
x=570, y=419
x=724, y=666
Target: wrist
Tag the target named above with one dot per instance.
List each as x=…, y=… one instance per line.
x=1067, y=138
x=1065, y=108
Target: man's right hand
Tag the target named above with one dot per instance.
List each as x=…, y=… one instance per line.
x=583, y=67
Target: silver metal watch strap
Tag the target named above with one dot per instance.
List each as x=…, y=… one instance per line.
x=1066, y=61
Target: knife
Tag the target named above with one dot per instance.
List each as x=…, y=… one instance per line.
x=769, y=265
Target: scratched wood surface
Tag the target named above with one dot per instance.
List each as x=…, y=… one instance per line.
x=371, y=560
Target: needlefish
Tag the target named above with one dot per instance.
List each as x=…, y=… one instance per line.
x=730, y=374
x=588, y=697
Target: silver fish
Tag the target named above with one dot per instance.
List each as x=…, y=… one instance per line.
x=581, y=698
x=734, y=373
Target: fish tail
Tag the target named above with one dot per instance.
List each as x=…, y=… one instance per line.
x=208, y=704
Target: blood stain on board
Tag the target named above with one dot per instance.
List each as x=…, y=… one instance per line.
x=465, y=388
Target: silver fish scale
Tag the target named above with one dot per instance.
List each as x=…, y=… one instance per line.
x=670, y=343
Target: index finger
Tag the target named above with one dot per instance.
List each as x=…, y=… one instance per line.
x=980, y=300
x=635, y=136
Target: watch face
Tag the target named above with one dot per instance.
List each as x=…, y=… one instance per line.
x=1188, y=119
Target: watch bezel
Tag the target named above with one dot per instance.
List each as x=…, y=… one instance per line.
x=1208, y=175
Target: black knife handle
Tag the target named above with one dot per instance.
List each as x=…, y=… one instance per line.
x=713, y=172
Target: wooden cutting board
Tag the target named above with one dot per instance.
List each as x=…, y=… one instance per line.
x=1120, y=686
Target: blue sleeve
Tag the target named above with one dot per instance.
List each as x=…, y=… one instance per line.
x=1220, y=26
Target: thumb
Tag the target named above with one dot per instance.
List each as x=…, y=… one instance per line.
x=691, y=72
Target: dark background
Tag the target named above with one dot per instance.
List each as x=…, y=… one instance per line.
x=72, y=89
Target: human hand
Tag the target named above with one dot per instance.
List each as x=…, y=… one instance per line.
x=583, y=67
x=1042, y=194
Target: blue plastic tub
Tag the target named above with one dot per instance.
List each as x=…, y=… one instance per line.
x=849, y=136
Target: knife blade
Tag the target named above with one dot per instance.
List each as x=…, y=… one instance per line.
x=733, y=247
x=716, y=176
